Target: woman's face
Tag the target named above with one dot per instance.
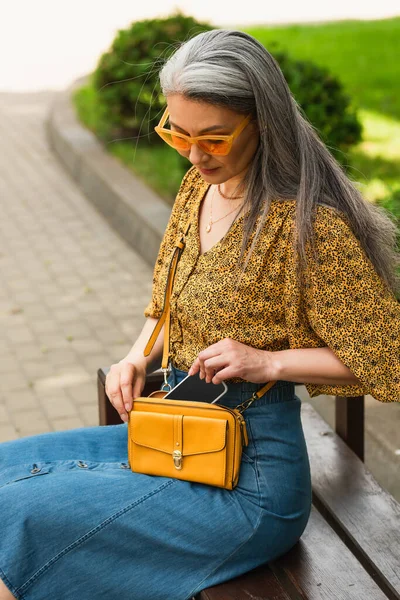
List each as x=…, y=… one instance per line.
x=195, y=118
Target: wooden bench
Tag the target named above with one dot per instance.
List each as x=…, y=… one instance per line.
x=350, y=549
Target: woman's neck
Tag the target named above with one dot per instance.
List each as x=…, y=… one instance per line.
x=231, y=189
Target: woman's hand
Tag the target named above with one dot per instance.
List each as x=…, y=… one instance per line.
x=229, y=358
x=124, y=382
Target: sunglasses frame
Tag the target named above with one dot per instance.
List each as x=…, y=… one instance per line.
x=160, y=129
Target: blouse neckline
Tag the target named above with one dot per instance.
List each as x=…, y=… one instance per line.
x=197, y=226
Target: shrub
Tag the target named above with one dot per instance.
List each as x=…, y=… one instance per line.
x=129, y=100
x=126, y=78
x=392, y=204
x=321, y=97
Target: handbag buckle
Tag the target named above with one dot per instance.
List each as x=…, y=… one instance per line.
x=177, y=456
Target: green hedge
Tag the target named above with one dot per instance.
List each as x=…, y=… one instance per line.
x=392, y=204
x=322, y=99
x=123, y=101
x=126, y=78
x=129, y=94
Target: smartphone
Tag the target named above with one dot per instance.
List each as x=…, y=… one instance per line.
x=194, y=388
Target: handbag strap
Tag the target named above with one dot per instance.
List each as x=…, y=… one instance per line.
x=166, y=318
x=166, y=312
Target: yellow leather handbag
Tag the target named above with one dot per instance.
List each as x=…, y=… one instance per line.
x=194, y=441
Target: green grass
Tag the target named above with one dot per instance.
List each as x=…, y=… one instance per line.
x=363, y=54
x=160, y=169
x=375, y=162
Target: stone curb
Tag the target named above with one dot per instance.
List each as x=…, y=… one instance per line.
x=129, y=206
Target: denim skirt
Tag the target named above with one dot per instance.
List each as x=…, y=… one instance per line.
x=76, y=522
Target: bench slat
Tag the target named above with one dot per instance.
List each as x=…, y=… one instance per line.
x=259, y=583
x=350, y=499
x=319, y=566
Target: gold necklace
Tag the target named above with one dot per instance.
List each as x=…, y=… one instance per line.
x=211, y=222
x=228, y=197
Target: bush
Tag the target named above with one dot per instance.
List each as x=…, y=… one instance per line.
x=129, y=94
x=126, y=78
x=126, y=101
x=320, y=95
x=392, y=204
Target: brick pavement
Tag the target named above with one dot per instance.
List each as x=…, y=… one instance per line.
x=72, y=293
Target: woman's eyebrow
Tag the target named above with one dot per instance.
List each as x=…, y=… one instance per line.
x=208, y=129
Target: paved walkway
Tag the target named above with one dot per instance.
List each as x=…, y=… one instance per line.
x=72, y=292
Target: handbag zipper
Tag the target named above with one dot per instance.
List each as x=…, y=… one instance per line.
x=243, y=429
x=238, y=416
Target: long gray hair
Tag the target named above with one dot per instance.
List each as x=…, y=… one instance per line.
x=232, y=69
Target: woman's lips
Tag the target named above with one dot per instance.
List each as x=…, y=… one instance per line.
x=207, y=171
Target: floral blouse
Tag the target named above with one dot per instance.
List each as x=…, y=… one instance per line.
x=344, y=305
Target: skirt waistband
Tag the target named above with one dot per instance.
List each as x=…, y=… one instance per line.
x=281, y=391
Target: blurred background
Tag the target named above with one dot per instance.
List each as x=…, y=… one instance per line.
x=45, y=44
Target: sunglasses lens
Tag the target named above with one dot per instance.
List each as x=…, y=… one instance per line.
x=179, y=143
x=216, y=147
x=175, y=141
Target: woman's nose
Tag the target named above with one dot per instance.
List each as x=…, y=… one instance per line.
x=196, y=155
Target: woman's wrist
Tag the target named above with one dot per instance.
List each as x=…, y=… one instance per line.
x=273, y=366
x=135, y=359
x=147, y=363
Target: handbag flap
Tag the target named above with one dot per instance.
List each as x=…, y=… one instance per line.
x=168, y=432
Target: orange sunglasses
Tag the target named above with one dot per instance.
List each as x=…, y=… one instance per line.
x=219, y=145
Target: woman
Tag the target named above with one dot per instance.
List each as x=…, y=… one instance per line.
x=287, y=275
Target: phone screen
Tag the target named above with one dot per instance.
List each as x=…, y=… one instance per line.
x=196, y=389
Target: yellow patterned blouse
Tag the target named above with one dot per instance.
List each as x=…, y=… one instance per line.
x=345, y=306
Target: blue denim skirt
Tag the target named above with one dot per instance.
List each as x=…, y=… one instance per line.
x=76, y=522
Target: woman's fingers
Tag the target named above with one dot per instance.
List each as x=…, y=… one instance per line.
x=194, y=368
x=213, y=357
x=211, y=353
x=211, y=366
x=138, y=386
x=127, y=375
x=226, y=372
x=229, y=358
x=119, y=382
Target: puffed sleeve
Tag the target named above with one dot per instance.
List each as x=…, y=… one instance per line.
x=350, y=310
x=178, y=212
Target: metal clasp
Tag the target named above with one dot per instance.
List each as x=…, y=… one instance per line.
x=177, y=456
x=166, y=387
x=242, y=407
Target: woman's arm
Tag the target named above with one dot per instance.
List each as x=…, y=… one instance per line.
x=230, y=358
x=312, y=365
x=135, y=354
